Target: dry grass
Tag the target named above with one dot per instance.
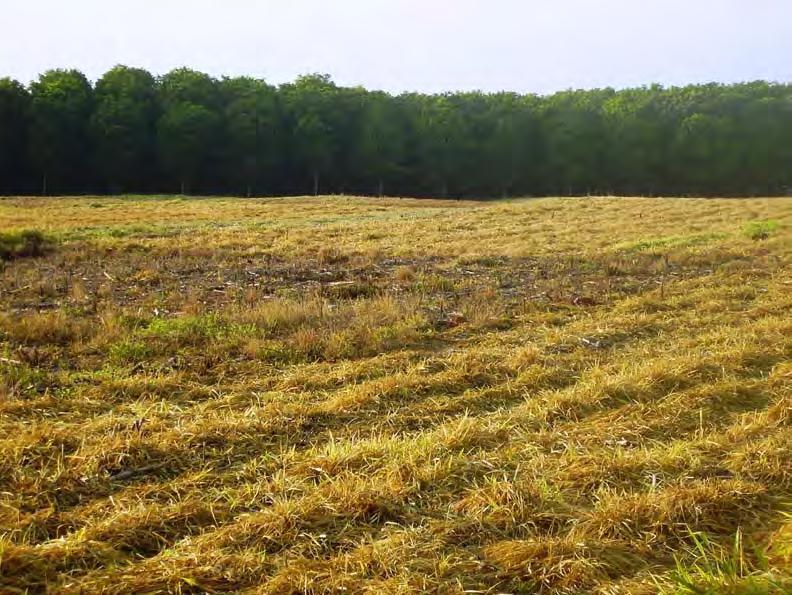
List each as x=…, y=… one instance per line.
x=397, y=396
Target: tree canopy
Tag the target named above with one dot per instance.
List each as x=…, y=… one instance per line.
x=189, y=132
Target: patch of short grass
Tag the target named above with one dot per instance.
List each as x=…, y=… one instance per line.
x=710, y=568
x=673, y=241
x=760, y=230
x=21, y=244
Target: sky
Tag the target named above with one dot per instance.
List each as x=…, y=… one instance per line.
x=528, y=46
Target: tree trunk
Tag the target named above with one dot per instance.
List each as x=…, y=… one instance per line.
x=183, y=186
x=44, y=185
x=316, y=183
x=444, y=191
x=381, y=188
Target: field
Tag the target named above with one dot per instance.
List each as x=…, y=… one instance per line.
x=395, y=396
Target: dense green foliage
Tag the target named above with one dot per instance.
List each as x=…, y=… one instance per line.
x=189, y=132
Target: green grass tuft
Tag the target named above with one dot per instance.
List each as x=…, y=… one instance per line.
x=21, y=244
x=760, y=230
x=708, y=568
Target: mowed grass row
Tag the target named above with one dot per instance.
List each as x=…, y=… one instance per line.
x=357, y=395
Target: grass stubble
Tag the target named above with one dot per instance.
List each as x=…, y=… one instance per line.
x=396, y=396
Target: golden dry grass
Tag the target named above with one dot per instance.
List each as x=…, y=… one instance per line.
x=396, y=396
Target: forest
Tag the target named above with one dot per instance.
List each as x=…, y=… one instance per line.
x=188, y=132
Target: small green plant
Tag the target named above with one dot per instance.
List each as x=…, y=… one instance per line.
x=677, y=241
x=197, y=329
x=431, y=283
x=716, y=569
x=20, y=244
x=129, y=351
x=17, y=379
x=760, y=230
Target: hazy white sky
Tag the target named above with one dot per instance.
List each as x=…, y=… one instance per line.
x=427, y=45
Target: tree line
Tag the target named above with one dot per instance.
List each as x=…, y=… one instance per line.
x=188, y=132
